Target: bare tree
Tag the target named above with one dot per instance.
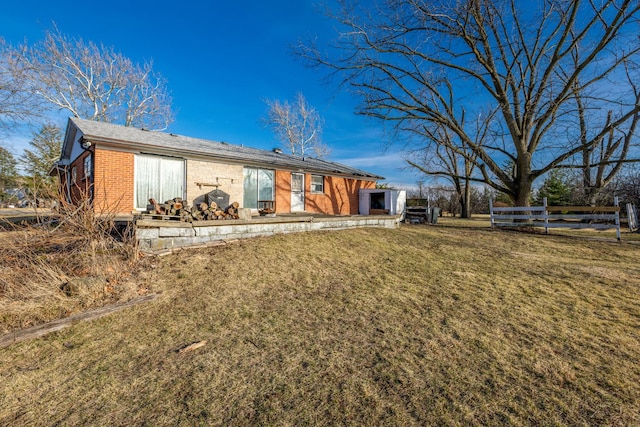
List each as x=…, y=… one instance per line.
x=298, y=126
x=96, y=83
x=627, y=185
x=605, y=153
x=440, y=160
x=440, y=156
x=16, y=103
x=412, y=61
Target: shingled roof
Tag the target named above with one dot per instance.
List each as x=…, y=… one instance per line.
x=140, y=140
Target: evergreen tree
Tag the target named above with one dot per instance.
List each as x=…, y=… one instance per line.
x=8, y=173
x=38, y=161
x=556, y=188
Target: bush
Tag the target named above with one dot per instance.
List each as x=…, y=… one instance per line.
x=62, y=264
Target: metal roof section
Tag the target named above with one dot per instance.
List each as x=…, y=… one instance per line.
x=143, y=140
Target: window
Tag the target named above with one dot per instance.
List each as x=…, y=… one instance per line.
x=74, y=175
x=87, y=167
x=160, y=178
x=317, y=184
x=258, y=185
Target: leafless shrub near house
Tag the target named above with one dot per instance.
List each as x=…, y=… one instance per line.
x=66, y=262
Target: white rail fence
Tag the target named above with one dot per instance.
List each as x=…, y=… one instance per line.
x=597, y=217
x=632, y=215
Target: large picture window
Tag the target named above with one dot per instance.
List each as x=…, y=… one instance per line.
x=258, y=185
x=160, y=178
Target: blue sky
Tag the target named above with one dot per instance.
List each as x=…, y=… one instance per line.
x=222, y=59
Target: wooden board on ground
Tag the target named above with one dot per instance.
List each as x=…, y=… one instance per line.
x=40, y=330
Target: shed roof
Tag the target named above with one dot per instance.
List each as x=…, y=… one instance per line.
x=162, y=142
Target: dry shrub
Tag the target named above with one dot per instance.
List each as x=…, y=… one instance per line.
x=62, y=264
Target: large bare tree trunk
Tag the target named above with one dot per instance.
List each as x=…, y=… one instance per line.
x=465, y=202
x=522, y=195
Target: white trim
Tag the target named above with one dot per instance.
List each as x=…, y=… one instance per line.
x=312, y=191
x=304, y=201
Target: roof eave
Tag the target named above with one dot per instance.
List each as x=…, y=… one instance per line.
x=186, y=153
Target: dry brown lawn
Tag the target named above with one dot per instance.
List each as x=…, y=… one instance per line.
x=417, y=326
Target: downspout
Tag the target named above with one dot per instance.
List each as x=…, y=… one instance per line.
x=67, y=183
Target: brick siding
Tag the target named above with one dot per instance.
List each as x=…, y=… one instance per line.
x=283, y=191
x=81, y=187
x=340, y=195
x=113, y=185
x=113, y=182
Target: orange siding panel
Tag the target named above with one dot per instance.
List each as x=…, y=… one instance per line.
x=283, y=191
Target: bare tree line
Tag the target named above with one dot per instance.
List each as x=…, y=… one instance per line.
x=562, y=188
x=553, y=84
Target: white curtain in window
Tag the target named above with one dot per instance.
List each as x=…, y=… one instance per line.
x=147, y=183
x=265, y=184
x=172, y=178
x=250, y=186
x=159, y=178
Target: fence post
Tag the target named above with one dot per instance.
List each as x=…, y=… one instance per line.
x=546, y=216
x=491, y=212
x=632, y=217
x=616, y=204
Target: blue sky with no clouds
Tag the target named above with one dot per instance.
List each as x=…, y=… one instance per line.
x=222, y=59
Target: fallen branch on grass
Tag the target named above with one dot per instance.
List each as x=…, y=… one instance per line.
x=40, y=330
x=192, y=347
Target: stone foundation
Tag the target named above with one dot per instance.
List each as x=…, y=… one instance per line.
x=158, y=235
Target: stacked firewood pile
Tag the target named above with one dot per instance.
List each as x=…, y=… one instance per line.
x=200, y=212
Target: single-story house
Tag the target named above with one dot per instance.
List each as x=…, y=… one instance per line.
x=120, y=168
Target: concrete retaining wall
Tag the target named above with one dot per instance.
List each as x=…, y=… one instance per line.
x=155, y=235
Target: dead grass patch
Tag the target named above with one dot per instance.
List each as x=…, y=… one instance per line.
x=483, y=221
x=415, y=326
x=65, y=265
